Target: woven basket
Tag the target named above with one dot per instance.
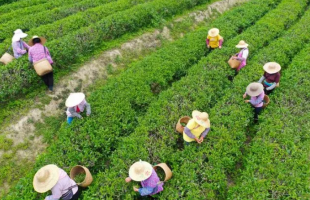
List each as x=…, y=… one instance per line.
x=79, y=169
x=266, y=101
x=179, y=126
x=234, y=63
x=6, y=58
x=42, y=67
x=167, y=170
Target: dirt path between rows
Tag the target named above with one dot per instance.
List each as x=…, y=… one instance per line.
x=93, y=70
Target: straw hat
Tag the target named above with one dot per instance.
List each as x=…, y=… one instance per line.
x=140, y=171
x=43, y=40
x=18, y=34
x=272, y=67
x=213, y=32
x=75, y=99
x=45, y=178
x=242, y=44
x=201, y=118
x=254, y=89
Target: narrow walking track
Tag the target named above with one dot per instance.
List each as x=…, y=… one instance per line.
x=92, y=71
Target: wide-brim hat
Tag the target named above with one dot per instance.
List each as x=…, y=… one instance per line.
x=213, y=32
x=140, y=171
x=75, y=99
x=46, y=178
x=18, y=34
x=254, y=89
x=43, y=40
x=272, y=67
x=242, y=44
x=201, y=118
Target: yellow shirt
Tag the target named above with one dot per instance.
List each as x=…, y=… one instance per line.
x=191, y=125
x=214, y=42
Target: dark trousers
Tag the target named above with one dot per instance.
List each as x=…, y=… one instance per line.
x=267, y=92
x=256, y=112
x=48, y=79
x=77, y=194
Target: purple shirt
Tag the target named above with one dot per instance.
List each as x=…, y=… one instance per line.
x=150, y=186
x=258, y=100
x=19, y=48
x=36, y=53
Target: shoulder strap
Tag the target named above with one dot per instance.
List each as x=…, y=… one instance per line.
x=44, y=51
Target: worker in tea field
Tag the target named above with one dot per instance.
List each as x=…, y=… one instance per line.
x=38, y=52
x=76, y=103
x=144, y=172
x=50, y=177
x=197, y=128
x=271, y=77
x=18, y=45
x=242, y=55
x=214, y=40
x=256, y=92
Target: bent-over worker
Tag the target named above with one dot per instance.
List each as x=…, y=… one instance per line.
x=76, y=103
x=256, y=92
x=51, y=177
x=271, y=77
x=242, y=55
x=144, y=172
x=197, y=128
x=18, y=45
x=214, y=40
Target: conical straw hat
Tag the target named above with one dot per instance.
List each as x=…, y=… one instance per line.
x=242, y=44
x=201, y=118
x=140, y=171
x=75, y=99
x=254, y=89
x=213, y=32
x=43, y=40
x=46, y=178
x=272, y=67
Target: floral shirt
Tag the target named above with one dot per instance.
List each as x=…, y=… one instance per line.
x=150, y=186
x=36, y=53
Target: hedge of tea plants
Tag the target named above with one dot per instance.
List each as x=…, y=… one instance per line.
x=210, y=167
x=276, y=165
x=73, y=47
x=6, y=7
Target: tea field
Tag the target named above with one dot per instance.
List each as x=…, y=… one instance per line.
x=135, y=109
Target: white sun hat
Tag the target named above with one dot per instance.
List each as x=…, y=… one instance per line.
x=18, y=34
x=46, y=178
x=140, y=171
x=254, y=89
x=75, y=99
x=272, y=67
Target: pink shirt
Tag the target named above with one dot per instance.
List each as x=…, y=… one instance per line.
x=61, y=186
x=36, y=53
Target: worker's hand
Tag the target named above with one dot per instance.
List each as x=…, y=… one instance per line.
x=201, y=140
x=247, y=101
x=197, y=140
x=244, y=96
x=135, y=189
x=208, y=46
x=220, y=47
x=87, y=115
x=128, y=179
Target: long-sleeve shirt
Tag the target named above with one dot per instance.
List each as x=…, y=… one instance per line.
x=258, y=100
x=214, y=42
x=150, y=186
x=61, y=186
x=243, y=54
x=36, y=53
x=193, y=130
x=19, y=48
x=270, y=81
x=74, y=111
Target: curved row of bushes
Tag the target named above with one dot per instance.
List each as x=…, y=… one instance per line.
x=276, y=164
x=117, y=105
x=20, y=13
x=36, y=19
x=208, y=168
x=14, y=5
x=76, y=45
